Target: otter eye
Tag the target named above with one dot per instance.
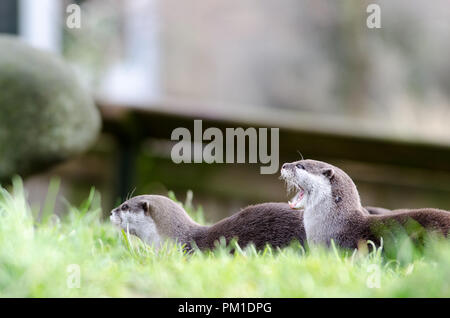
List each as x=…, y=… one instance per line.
x=300, y=166
x=124, y=207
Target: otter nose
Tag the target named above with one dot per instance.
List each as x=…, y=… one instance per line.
x=285, y=165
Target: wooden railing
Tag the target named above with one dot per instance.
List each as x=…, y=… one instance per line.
x=313, y=135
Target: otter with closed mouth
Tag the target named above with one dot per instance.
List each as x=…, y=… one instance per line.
x=154, y=218
x=332, y=207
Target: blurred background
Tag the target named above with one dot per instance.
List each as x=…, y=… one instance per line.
x=375, y=102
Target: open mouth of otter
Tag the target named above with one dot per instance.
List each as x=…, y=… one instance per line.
x=296, y=202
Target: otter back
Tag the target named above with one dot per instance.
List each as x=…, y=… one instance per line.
x=275, y=224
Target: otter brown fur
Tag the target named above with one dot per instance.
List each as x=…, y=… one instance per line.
x=332, y=207
x=261, y=224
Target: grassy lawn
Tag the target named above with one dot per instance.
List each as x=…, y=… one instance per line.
x=43, y=259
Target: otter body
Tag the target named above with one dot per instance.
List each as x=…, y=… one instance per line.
x=154, y=218
x=261, y=224
x=361, y=227
x=333, y=208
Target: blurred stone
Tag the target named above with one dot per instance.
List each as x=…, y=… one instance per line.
x=46, y=115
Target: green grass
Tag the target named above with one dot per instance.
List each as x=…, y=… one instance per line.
x=36, y=258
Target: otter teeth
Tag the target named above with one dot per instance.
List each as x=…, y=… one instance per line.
x=296, y=203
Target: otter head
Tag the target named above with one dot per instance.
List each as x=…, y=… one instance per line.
x=152, y=218
x=316, y=182
x=134, y=217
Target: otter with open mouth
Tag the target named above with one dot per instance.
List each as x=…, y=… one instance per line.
x=332, y=207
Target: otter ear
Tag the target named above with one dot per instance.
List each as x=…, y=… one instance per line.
x=145, y=206
x=328, y=172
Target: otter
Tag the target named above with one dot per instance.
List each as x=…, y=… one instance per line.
x=154, y=218
x=332, y=207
